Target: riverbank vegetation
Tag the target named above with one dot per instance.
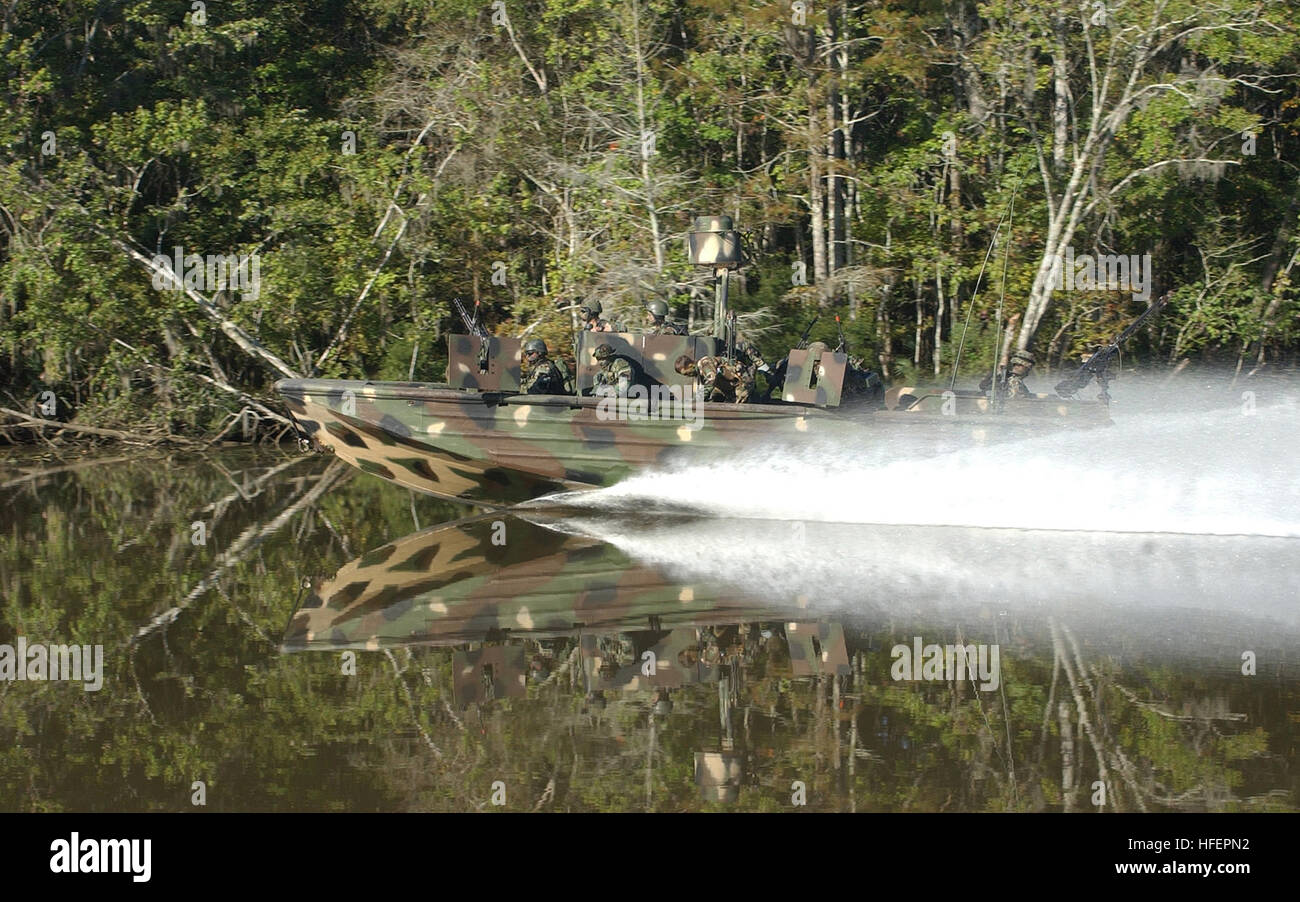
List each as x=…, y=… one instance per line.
x=354, y=165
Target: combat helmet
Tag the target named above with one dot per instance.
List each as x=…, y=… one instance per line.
x=817, y=348
x=590, y=309
x=535, y=346
x=657, y=308
x=1024, y=357
x=604, y=352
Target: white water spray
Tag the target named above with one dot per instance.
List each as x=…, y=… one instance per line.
x=1231, y=470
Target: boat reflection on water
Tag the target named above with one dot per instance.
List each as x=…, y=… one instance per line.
x=524, y=603
x=621, y=610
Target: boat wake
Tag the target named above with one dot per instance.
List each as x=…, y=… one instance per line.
x=929, y=570
x=1225, y=471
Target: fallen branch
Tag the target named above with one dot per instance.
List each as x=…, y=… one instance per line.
x=95, y=430
x=41, y=192
x=410, y=700
x=1084, y=721
x=233, y=330
x=247, y=399
x=218, y=508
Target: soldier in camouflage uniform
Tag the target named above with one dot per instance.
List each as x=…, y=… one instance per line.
x=749, y=363
x=591, y=322
x=718, y=376
x=657, y=322
x=614, y=370
x=544, y=376
x=1011, y=381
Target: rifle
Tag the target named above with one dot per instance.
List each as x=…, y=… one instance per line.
x=843, y=345
x=803, y=339
x=1096, y=365
x=471, y=325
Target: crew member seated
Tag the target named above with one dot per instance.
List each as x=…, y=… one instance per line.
x=545, y=376
x=1011, y=378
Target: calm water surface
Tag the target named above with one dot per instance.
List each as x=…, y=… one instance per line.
x=297, y=636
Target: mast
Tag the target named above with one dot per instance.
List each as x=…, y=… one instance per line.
x=714, y=242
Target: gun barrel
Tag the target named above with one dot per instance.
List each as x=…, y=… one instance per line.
x=803, y=339
x=1097, y=364
x=1137, y=323
x=471, y=325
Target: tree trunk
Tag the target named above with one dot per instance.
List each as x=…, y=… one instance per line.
x=966, y=26
x=647, y=141
x=885, y=337
x=938, y=321
x=816, y=195
x=1067, y=755
x=846, y=150
x=1060, y=105
x=834, y=210
x=835, y=138
x=920, y=320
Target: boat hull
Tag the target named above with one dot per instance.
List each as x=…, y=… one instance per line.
x=498, y=449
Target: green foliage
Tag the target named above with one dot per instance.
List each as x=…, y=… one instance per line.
x=477, y=143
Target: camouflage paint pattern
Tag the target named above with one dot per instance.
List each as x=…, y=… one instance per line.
x=498, y=448
x=484, y=364
x=484, y=674
x=452, y=585
x=814, y=380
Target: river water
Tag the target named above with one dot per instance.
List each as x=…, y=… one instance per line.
x=279, y=632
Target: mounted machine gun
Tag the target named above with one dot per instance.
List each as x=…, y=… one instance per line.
x=1096, y=364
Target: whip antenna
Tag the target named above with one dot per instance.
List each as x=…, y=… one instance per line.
x=957, y=359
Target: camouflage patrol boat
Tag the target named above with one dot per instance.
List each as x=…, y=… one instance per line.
x=477, y=438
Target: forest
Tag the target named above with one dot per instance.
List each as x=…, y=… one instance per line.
x=342, y=170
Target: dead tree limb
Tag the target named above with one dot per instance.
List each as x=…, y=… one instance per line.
x=28, y=420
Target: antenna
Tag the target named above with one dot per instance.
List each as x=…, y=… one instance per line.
x=993, y=241
x=1002, y=296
